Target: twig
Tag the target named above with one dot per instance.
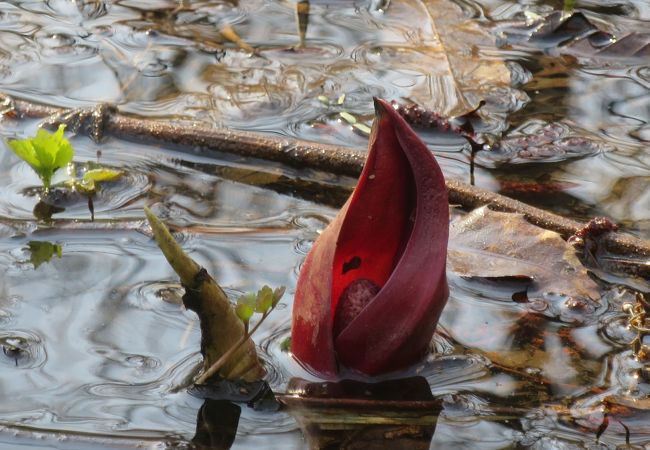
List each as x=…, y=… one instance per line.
x=330, y=158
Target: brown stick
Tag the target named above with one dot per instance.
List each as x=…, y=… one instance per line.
x=330, y=158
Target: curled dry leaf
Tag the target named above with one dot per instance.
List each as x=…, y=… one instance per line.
x=221, y=329
x=490, y=244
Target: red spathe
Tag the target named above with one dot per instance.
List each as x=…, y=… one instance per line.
x=372, y=288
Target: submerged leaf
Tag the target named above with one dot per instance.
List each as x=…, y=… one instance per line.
x=102, y=174
x=536, y=142
x=43, y=251
x=490, y=244
x=458, y=78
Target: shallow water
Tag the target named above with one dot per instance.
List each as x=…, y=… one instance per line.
x=106, y=345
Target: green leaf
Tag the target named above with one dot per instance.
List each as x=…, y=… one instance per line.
x=98, y=175
x=362, y=127
x=45, y=153
x=88, y=183
x=277, y=294
x=63, y=151
x=285, y=345
x=246, y=307
x=25, y=151
x=349, y=118
x=244, y=312
x=264, y=299
x=43, y=251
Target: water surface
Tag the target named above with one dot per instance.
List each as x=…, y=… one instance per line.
x=106, y=346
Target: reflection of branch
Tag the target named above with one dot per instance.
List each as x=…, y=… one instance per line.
x=331, y=158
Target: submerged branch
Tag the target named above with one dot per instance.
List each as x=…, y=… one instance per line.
x=330, y=158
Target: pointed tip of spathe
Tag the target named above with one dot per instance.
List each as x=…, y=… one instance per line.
x=381, y=106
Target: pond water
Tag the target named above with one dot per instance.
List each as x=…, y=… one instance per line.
x=106, y=346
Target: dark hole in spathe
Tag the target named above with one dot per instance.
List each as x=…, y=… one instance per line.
x=351, y=264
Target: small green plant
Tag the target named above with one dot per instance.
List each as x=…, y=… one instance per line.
x=264, y=302
x=45, y=153
x=48, y=152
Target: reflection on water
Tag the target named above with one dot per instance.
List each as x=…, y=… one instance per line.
x=96, y=341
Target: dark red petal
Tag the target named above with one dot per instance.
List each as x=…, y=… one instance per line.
x=396, y=327
x=311, y=328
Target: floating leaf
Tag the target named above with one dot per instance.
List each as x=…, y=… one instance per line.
x=103, y=174
x=43, y=251
x=88, y=183
x=490, y=244
x=349, y=118
x=45, y=153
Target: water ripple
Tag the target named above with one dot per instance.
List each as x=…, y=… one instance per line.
x=21, y=350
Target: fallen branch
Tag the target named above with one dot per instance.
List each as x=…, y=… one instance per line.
x=330, y=158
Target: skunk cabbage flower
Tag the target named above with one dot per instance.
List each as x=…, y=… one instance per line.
x=372, y=288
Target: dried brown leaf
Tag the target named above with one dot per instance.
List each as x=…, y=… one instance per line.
x=455, y=51
x=490, y=244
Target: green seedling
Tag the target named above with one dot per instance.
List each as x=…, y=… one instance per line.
x=45, y=153
x=48, y=152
